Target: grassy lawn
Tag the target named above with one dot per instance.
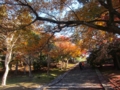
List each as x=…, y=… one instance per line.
x=23, y=82
x=81, y=59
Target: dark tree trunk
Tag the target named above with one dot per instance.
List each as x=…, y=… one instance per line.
x=113, y=53
x=30, y=70
x=48, y=65
x=16, y=67
x=118, y=61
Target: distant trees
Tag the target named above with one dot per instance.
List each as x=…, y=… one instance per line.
x=65, y=50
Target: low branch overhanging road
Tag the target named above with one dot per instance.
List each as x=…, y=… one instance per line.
x=111, y=25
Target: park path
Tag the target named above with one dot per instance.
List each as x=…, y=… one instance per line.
x=76, y=79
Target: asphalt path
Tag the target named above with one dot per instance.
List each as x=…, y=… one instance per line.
x=77, y=79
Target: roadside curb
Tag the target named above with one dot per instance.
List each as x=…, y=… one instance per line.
x=104, y=83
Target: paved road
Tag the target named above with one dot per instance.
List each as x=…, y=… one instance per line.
x=85, y=76
x=76, y=79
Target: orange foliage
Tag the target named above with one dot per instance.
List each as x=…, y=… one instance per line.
x=65, y=48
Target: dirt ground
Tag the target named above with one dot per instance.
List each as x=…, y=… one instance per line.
x=112, y=74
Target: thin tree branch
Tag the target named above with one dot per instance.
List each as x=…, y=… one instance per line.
x=63, y=24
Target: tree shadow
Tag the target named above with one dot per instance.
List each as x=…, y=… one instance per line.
x=111, y=74
x=17, y=87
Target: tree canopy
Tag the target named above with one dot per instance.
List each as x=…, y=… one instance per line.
x=99, y=14
x=93, y=21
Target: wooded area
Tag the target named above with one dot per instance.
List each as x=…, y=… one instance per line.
x=28, y=33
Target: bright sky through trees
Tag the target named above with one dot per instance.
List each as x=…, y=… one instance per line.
x=75, y=5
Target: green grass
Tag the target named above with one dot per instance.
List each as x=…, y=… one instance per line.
x=81, y=59
x=23, y=82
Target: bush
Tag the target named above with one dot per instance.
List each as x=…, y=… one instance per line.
x=1, y=64
x=36, y=65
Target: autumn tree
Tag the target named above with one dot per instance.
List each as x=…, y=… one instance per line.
x=8, y=41
x=97, y=14
x=10, y=34
x=65, y=50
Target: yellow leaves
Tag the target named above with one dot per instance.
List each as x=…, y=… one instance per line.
x=24, y=17
x=102, y=33
x=25, y=43
x=89, y=11
x=76, y=52
x=3, y=13
x=111, y=39
x=31, y=42
x=3, y=10
x=101, y=23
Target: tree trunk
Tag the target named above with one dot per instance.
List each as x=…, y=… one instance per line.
x=7, y=61
x=48, y=65
x=118, y=61
x=10, y=42
x=4, y=78
x=25, y=69
x=62, y=64
x=16, y=67
x=66, y=64
x=30, y=70
x=114, y=59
